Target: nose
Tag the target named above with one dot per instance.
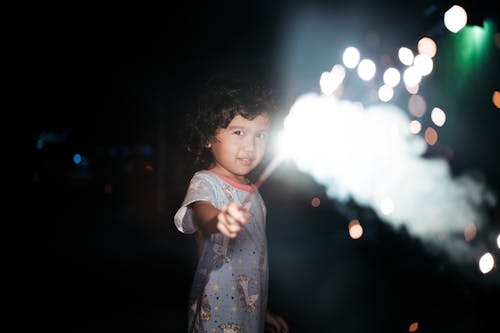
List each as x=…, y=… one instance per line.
x=249, y=144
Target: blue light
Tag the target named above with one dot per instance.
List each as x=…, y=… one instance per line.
x=77, y=158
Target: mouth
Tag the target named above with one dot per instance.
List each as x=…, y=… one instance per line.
x=245, y=160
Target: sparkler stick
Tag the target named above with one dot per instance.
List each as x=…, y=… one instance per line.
x=263, y=176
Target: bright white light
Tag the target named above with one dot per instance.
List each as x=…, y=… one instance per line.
x=424, y=64
x=498, y=241
x=387, y=206
x=411, y=76
x=486, y=263
x=438, y=116
x=391, y=77
x=385, y=93
x=330, y=81
x=405, y=55
x=455, y=18
x=351, y=57
x=285, y=144
x=369, y=155
x=366, y=69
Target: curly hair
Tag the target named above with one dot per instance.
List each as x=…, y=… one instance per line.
x=223, y=97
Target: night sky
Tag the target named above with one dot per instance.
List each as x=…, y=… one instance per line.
x=95, y=247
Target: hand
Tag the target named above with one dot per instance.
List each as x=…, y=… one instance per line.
x=231, y=219
x=276, y=323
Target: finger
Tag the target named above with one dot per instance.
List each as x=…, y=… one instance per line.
x=224, y=230
x=228, y=220
x=239, y=213
x=283, y=324
x=229, y=223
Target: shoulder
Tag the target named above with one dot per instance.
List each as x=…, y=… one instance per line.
x=204, y=175
x=203, y=179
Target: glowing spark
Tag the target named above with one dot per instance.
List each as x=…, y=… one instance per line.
x=371, y=156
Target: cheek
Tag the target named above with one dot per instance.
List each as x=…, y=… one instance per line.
x=261, y=147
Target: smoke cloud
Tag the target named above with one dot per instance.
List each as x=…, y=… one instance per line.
x=370, y=156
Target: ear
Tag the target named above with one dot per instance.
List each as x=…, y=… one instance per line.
x=208, y=145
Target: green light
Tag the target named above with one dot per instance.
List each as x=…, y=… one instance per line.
x=466, y=56
x=472, y=44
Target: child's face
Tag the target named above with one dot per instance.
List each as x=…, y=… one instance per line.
x=240, y=147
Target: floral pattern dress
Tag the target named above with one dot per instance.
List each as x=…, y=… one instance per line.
x=230, y=285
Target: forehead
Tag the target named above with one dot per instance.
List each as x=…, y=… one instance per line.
x=262, y=121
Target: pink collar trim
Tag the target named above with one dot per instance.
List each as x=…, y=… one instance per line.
x=246, y=188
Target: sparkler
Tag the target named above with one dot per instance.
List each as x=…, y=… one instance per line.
x=275, y=162
x=374, y=155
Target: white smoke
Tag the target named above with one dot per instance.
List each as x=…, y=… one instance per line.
x=370, y=156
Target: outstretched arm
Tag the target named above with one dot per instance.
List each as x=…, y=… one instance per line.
x=228, y=220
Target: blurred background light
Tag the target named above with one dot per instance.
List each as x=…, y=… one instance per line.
x=351, y=57
x=486, y=263
x=406, y=56
x=366, y=69
x=427, y=46
x=455, y=18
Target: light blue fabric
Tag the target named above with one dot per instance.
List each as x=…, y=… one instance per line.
x=230, y=286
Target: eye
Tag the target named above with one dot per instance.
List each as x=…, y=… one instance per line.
x=238, y=132
x=262, y=135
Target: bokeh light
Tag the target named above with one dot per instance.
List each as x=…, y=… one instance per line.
x=415, y=126
x=391, y=77
x=496, y=99
x=438, y=116
x=470, y=232
x=417, y=105
x=455, y=18
x=427, y=46
x=431, y=136
x=424, y=64
x=412, y=76
x=351, y=57
x=385, y=93
x=366, y=69
x=406, y=56
x=355, y=229
x=486, y=263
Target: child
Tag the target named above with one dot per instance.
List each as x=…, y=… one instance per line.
x=228, y=139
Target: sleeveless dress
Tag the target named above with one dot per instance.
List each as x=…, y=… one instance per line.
x=230, y=286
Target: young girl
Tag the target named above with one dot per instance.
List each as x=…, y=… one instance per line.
x=228, y=138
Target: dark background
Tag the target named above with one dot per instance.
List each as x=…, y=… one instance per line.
x=94, y=247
